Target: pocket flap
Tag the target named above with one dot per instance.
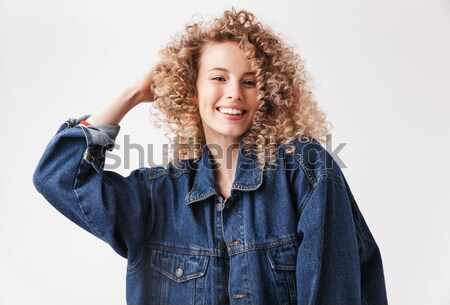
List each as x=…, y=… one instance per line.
x=179, y=267
x=283, y=257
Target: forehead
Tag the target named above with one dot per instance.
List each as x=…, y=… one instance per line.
x=223, y=54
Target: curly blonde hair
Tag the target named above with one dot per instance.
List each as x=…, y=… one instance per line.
x=286, y=110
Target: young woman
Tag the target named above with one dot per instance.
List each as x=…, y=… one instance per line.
x=252, y=210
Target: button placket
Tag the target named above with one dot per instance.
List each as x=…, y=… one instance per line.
x=220, y=206
x=222, y=245
x=224, y=299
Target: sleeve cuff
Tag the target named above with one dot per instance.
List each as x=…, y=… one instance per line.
x=99, y=138
x=101, y=135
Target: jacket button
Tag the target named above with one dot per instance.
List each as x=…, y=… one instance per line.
x=224, y=299
x=179, y=272
x=222, y=245
x=235, y=242
x=219, y=207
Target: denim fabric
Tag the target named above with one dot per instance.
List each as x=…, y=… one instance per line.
x=292, y=234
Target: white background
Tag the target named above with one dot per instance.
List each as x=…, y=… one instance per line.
x=381, y=72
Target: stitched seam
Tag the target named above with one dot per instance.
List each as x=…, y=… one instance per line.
x=336, y=178
x=305, y=169
x=252, y=187
x=163, y=172
x=358, y=232
x=89, y=222
x=278, y=266
x=133, y=267
x=149, y=224
x=184, y=278
x=263, y=246
x=194, y=186
x=307, y=200
x=190, y=199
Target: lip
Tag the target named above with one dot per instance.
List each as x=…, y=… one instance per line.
x=232, y=117
x=238, y=107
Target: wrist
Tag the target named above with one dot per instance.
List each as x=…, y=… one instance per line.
x=128, y=97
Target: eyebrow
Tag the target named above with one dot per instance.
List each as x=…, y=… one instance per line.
x=225, y=70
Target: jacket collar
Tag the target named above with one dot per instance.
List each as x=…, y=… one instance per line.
x=248, y=176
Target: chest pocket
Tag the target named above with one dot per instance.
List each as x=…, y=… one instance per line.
x=179, y=267
x=283, y=260
x=182, y=277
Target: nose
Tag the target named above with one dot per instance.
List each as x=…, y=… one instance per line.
x=234, y=91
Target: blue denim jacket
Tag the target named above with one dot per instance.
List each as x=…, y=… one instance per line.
x=292, y=234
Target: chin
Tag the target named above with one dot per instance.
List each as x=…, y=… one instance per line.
x=233, y=134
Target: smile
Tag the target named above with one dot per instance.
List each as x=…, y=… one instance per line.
x=232, y=113
x=231, y=110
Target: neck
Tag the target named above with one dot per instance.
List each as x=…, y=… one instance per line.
x=225, y=153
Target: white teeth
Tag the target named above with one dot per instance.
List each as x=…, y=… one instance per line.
x=230, y=111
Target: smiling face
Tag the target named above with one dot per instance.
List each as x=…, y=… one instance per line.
x=226, y=92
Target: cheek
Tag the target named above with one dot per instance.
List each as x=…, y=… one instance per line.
x=252, y=99
x=255, y=105
x=204, y=111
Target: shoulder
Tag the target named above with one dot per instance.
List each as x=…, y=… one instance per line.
x=312, y=158
x=171, y=170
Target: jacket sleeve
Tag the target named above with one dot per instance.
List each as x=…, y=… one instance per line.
x=70, y=176
x=338, y=260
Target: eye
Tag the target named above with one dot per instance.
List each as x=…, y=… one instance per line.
x=218, y=78
x=249, y=83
